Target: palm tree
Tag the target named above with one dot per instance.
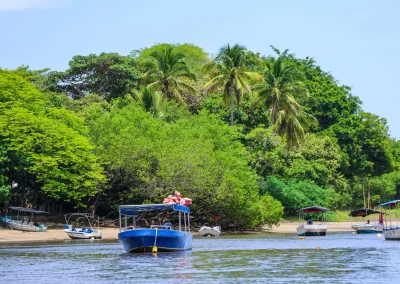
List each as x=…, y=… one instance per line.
x=229, y=71
x=167, y=72
x=292, y=122
x=149, y=100
x=283, y=84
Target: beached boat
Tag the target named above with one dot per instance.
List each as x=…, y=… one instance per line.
x=391, y=228
x=312, y=228
x=24, y=221
x=210, y=231
x=367, y=227
x=157, y=238
x=214, y=231
x=74, y=229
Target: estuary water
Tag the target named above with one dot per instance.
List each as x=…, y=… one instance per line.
x=251, y=258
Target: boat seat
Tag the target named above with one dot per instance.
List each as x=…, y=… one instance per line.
x=73, y=230
x=89, y=230
x=66, y=227
x=167, y=226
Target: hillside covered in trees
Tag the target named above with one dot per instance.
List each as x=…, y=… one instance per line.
x=247, y=136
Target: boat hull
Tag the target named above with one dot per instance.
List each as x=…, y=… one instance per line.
x=210, y=231
x=143, y=240
x=312, y=230
x=96, y=234
x=392, y=234
x=368, y=228
x=20, y=226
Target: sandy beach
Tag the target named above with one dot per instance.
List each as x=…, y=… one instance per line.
x=12, y=236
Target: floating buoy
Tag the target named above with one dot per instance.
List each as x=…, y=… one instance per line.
x=302, y=238
x=318, y=247
x=379, y=235
x=154, y=250
x=353, y=233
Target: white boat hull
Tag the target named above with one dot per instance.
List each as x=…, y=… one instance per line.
x=95, y=234
x=23, y=226
x=368, y=228
x=312, y=230
x=210, y=231
x=392, y=233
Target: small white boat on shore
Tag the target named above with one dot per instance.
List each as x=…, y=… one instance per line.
x=24, y=223
x=312, y=228
x=391, y=227
x=86, y=231
x=210, y=231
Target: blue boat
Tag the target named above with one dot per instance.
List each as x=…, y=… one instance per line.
x=157, y=238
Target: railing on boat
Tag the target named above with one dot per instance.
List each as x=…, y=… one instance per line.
x=127, y=211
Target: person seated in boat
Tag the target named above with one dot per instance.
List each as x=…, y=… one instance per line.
x=36, y=224
x=309, y=222
x=367, y=221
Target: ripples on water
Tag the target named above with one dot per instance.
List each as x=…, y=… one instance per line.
x=259, y=258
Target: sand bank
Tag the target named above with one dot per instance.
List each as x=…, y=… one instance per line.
x=12, y=236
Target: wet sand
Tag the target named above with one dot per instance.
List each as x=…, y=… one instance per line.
x=12, y=236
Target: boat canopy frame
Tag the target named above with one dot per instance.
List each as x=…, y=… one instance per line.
x=134, y=210
x=388, y=216
x=363, y=212
x=25, y=210
x=313, y=209
x=86, y=216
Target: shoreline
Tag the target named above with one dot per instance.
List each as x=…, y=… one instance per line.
x=17, y=237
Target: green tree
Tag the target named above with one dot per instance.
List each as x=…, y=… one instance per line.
x=109, y=75
x=329, y=102
x=149, y=100
x=200, y=156
x=167, y=71
x=228, y=71
x=364, y=141
x=45, y=151
x=282, y=85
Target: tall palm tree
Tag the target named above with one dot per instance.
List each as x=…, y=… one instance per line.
x=283, y=84
x=229, y=71
x=169, y=73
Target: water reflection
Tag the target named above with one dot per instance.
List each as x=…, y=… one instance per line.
x=341, y=258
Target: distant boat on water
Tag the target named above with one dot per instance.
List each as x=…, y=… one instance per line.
x=312, y=227
x=367, y=227
x=24, y=221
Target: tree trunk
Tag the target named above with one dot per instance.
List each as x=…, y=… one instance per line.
x=231, y=97
x=274, y=111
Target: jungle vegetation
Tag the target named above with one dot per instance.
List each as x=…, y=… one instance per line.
x=247, y=136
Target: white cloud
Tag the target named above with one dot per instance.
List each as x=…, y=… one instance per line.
x=15, y=5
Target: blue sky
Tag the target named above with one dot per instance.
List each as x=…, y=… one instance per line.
x=357, y=41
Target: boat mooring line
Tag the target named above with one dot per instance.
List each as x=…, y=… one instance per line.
x=154, y=250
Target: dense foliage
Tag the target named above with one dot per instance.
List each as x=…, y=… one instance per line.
x=248, y=137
